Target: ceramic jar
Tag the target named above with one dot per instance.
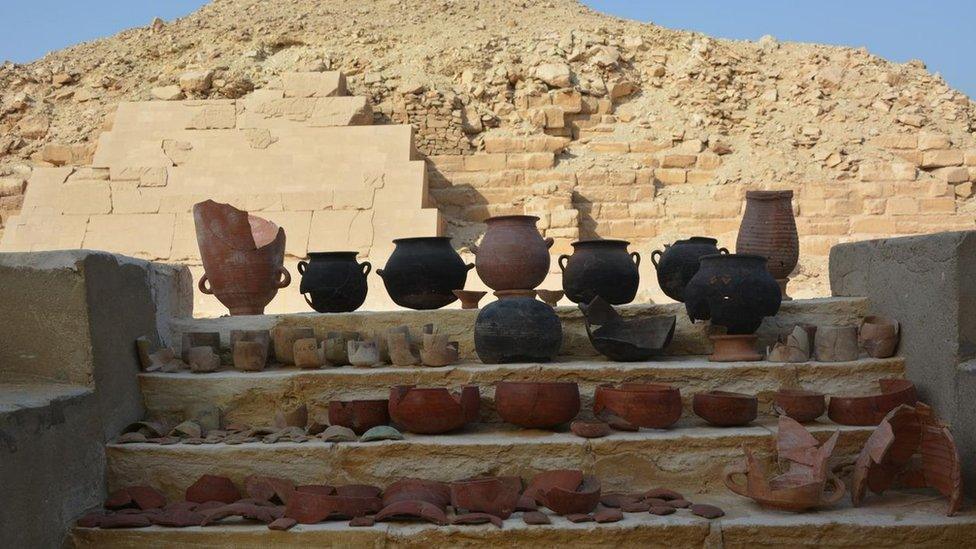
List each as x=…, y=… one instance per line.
x=333, y=282
x=735, y=291
x=243, y=257
x=769, y=229
x=433, y=410
x=537, y=405
x=517, y=328
x=678, y=263
x=423, y=272
x=513, y=255
x=651, y=405
x=600, y=267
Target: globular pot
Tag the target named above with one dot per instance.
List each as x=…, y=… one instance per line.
x=243, y=257
x=803, y=406
x=423, y=272
x=678, y=263
x=517, y=328
x=735, y=291
x=537, y=405
x=496, y=496
x=726, y=409
x=513, y=255
x=433, y=410
x=600, y=267
x=651, y=405
x=769, y=229
x=359, y=415
x=871, y=409
x=333, y=282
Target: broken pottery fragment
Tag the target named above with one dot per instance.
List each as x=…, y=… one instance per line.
x=148, y=429
x=291, y=415
x=476, y=518
x=199, y=339
x=836, y=343
x=910, y=447
x=679, y=503
x=359, y=415
x=526, y=503
x=187, y=429
x=359, y=491
x=306, y=353
x=661, y=510
x=605, y=516
x=412, y=510
x=625, y=339
x=273, y=489
x=213, y=488
x=725, y=409
x=362, y=522
x=635, y=506
x=707, y=511
x=178, y=518
x=579, y=500
x=203, y=360
x=433, y=410
x=402, y=350
x=614, y=500
x=259, y=348
x=793, y=347
x=651, y=405
x=412, y=489
x=282, y=524
x=124, y=520
x=260, y=513
x=536, y=518
x=803, y=406
x=879, y=335
x=284, y=338
x=579, y=517
x=363, y=354
x=381, y=432
x=567, y=479
x=537, y=405
x=590, y=428
x=497, y=496
x=437, y=351
x=336, y=347
x=309, y=507
x=871, y=409
x=338, y=433
x=146, y=497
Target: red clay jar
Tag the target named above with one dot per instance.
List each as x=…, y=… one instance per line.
x=651, y=405
x=359, y=415
x=803, y=406
x=433, y=410
x=537, y=405
x=769, y=229
x=496, y=496
x=513, y=255
x=726, y=409
x=871, y=409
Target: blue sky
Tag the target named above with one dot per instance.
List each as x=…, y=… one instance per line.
x=939, y=32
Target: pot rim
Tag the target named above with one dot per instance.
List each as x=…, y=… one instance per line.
x=610, y=241
x=769, y=195
x=750, y=257
x=313, y=255
x=639, y=387
x=421, y=239
x=510, y=218
x=707, y=239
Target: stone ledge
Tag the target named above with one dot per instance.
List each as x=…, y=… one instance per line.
x=901, y=519
x=690, y=456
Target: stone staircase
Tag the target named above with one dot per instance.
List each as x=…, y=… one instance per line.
x=689, y=457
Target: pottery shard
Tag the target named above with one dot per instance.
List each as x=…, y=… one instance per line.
x=579, y=517
x=412, y=510
x=362, y=522
x=608, y=515
x=261, y=513
x=306, y=353
x=282, y=524
x=431, y=491
x=178, y=518
x=268, y=488
x=294, y=416
x=635, y=507
x=477, y=518
x=567, y=479
x=707, y=511
x=590, y=429
x=146, y=497
x=661, y=510
x=525, y=503
x=203, y=360
x=250, y=356
x=662, y=493
x=124, y=520
x=213, y=488
x=118, y=499
x=536, y=518
x=614, y=500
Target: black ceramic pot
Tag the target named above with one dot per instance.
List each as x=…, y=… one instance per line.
x=423, y=272
x=735, y=291
x=678, y=263
x=517, y=328
x=600, y=268
x=333, y=282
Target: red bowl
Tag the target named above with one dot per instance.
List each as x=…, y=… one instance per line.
x=537, y=405
x=434, y=410
x=803, y=406
x=726, y=409
x=359, y=415
x=651, y=405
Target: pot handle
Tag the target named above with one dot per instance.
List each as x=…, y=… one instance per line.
x=379, y=273
x=656, y=257
x=203, y=286
x=837, y=494
x=309, y=301
x=367, y=267
x=549, y=242
x=723, y=251
x=302, y=266
x=284, y=278
x=562, y=264
x=636, y=258
x=469, y=266
x=737, y=469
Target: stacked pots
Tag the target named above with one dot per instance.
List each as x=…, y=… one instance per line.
x=678, y=263
x=333, y=282
x=600, y=267
x=769, y=229
x=423, y=272
x=513, y=259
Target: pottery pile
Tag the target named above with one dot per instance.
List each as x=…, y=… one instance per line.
x=281, y=504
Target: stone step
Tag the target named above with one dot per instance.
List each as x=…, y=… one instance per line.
x=691, y=456
x=253, y=397
x=689, y=338
x=899, y=519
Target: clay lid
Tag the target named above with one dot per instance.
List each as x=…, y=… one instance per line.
x=769, y=195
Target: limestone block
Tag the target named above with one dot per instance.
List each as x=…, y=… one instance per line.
x=485, y=162
x=700, y=177
x=43, y=191
x=896, y=141
x=671, y=176
x=185, y=247
x=569, y=101
x=321, y=199
x=67, y=155
x=942, y=158
x=167, y=93
x=120, y=149
x=296, y=225
x=939, y=204
x=887, y=171
x=147, y=236
x=131, y=201
x=677, y=160
x=531, y=161
x=957, y=174
x=180, y=203
x=196, y=81
x=89, y=174
x=85, y=197
x=162, y=116
x=340, y=230
x=44, y=232
x=609, y=146
x=969, y=157
x=353, y=199
x=405, y=223
x=902, y=205
x=12, y=186
x=928, y=141
x=708, y=161
x=213, y=117
x=649, y=146
x=313, y=84
x=177, y=151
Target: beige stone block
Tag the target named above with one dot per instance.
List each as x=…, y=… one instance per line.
x=313, y=84
x=887, y=171
x=185, y=247
x=943, y=158
x=43, y=191
x=213, y=117
x=609, y=146
x=147, y=236
x=44, y=233
x=307, y=200
x=180, y=203
x=564, y=218
x=812, y=206
x=874, y=206
x=896, y=141
x=451, y=162
x=485, y=162
x=352, y=199
x=649, y=146
x=700, y=177
x=646, y=210
x=873, y=225
x=708, y=161
x=671, y=176
x=132, y=201
x=555, y=117
x=568, y=100
x=928, y=141
x=902, y=205
x=964, y=190
x=501, y=144
x=969, y=157
x=956, y=174
x=85, y=197
x=341, y=230
x=531, y=161
x=545, y=143
x=911, y=156
x=844, y=206
x=297, y=226
x=942, y=204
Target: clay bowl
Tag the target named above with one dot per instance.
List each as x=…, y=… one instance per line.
x=537, y=405
x=803, y=406
x=496, y=496
x=726, y=409
x=433, y=410
x=568, y=479
x=359, y=415
x=871, y=409
x=580, y=500
x=651, y=405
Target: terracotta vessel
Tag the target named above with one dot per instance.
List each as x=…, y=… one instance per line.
x=284, y=338
x=871, y=409
x=469, y=298
x=793, y=347
x=651, y=405
x=496, y=496
x=567, y=479
x=517, y=328
x=878, y=336
x=590, y=428
x=359, y=415
x=768, y=229
x=251, y=349
x=213, y=488
x=625, y=339
x=243, y=257
x=411, y=489
x=912, y=446
x=336, y=347
x=550, y=297
x=512, y=255
x=188, y=340
x=735, y=291
x=678, y=263
x=437, y=350
x=307, y=354
x=537, y=405
x=725, y=409
x=600, y=267
x=402, y=350
x=412, y=510
x=432, y=411
x=734, y=348
x=333, y=282
x=363, y=353
x=803, y=406
x=423, y=272
x=581, y=499
x=836, y=343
